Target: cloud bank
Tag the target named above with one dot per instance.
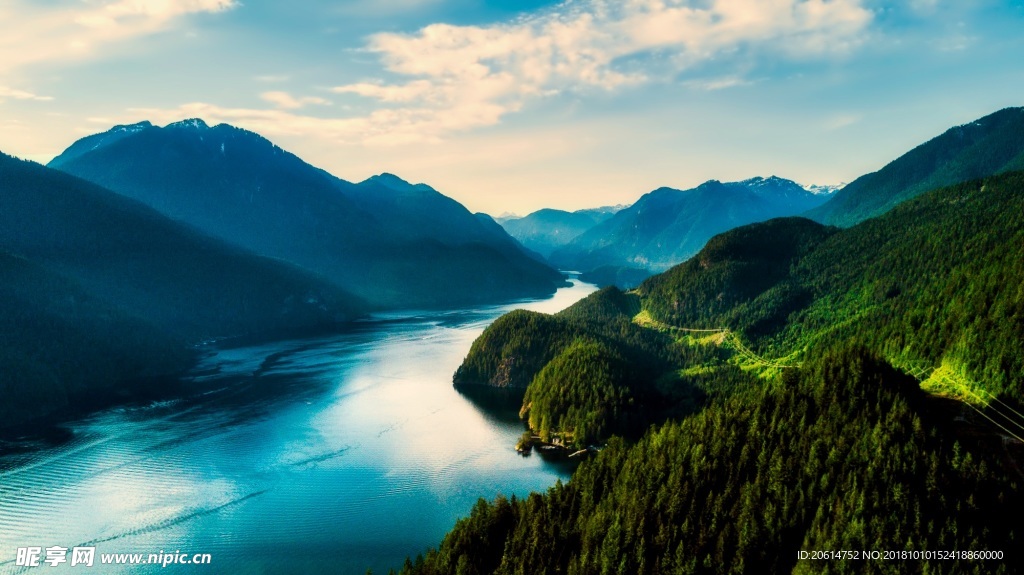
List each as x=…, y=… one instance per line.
x=446, y=78
x=75, y=30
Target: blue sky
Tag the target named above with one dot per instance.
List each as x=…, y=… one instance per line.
x=514, y=106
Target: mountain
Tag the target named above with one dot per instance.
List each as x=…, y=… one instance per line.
x=421, y=213
x=666, y=226
x=780, y=288
x=819, y=388
x=392, y=243
x=596, y=212
x=827, y=189
x=988, y=146
x=546, y=230
x=61, y=346
x=101, y=293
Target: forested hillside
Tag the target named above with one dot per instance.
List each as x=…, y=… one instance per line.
x=156, y=269
x=843, y=454
x=60, y=345
x=633, y=375
x=547, y=230
x=667, y=226
x=985, y=147
x=392, y=243
x=100, y=295
x=934, y=283
x=884, y=414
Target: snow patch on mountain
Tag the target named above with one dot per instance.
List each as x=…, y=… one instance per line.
x=824, y=189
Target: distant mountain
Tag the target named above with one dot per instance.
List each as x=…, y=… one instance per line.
x=825, y=189
x=494, y=228
x=393, y=243
x=765, y=374
x=98, y=291
x=666, y=226
x=419, y=212
x=90, y=143
x=989, y=146
x=546, y=230
x=168, y=273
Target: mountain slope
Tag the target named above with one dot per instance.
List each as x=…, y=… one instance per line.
x=886, y=416
x=546, y=230
x=418, y=213
x=390, y=242
x=589, y=371
x=988, y=146
x=841, y=456
x=779, y=288
x=932, y=284
x=155, y=269
x=61, y=346
x=666, y=226
x=101, y=297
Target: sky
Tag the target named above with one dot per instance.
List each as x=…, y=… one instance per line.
x=509, y=107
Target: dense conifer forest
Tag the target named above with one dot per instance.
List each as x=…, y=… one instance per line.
x=856, y=389
x=985, y=147
x=102, y=297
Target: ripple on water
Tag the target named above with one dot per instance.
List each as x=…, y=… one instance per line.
x=325, y=455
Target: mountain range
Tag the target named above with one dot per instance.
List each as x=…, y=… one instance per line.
x=666, y=226
x=141, y=241
x=546, y=230
x=391, y=243
x=985, y=147
x=138, y=243
x=102, y=291
x=792, y=387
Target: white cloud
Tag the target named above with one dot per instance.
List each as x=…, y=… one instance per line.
x=278, y=122
x=446, y=79
x=74, y=30
x=841, y=121
x=122, y=12
x=720, y=83
x=12, y=93
x=459, y=77
x=288, y=102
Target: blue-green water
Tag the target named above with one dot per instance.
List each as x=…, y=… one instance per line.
x=321, y=455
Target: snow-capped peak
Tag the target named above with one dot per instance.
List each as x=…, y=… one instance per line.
x=194, y=123
x=130, y=128
x=824, y=190
x=759, y=181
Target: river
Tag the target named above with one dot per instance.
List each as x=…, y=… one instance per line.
x=330, y=454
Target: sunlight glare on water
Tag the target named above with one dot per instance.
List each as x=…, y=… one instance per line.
x=321, y=455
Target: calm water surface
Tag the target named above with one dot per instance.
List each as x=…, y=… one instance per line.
x=321, y=455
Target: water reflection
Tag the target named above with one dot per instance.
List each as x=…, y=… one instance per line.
x=319, y=455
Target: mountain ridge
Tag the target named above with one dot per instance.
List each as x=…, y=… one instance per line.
x=821, y=348
x=666, y=226
x=988, y=146
x=392, y=243
x=103, y=297
x=547, y=229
